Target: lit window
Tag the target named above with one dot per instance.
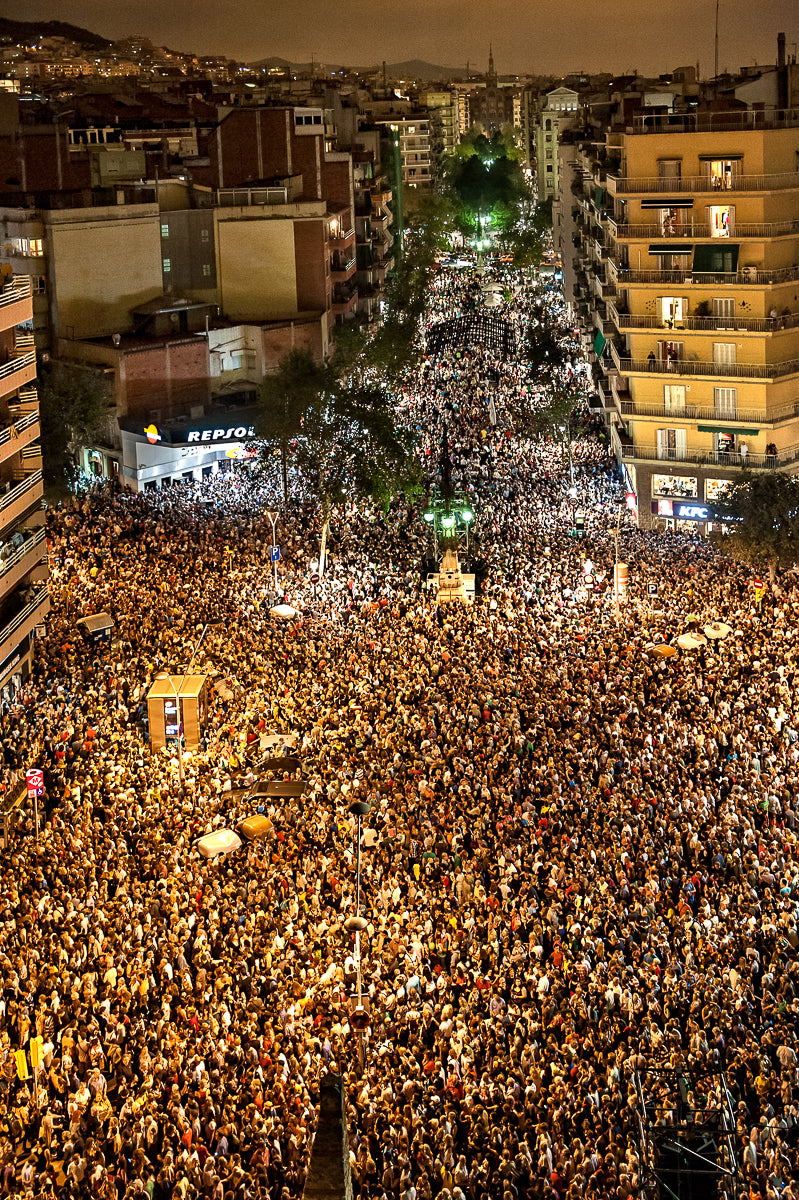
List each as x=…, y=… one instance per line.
x=164, y=231
x=206, y=270
x=167, y=266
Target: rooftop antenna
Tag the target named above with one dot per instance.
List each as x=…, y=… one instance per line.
x=717, y=41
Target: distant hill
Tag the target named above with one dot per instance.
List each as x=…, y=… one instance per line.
x=412, y=69
x=29, y=31
x=415, y=68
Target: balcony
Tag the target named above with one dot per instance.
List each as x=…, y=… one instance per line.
x=345, y=297
x=700, y=412
x=706, y=324
x=620, y=185
x=17, y=372
x=19, y=434
x=19, y=498
x=687, y=367
x=732, y=120
x=745, y=277
x=16, y=305
x=700, y=230
x=23, y=624
x=709, y=458
x=342, y=265
x=339, y=238
x=22, y=560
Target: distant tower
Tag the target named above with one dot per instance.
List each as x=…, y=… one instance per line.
x=492, y=75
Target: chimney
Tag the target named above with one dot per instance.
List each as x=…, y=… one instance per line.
x=782, y=73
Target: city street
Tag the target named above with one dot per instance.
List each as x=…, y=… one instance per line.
x=579, y=858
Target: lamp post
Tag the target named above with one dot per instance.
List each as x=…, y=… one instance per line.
x=273, y=522
x=567, y=429
x=359, y=1018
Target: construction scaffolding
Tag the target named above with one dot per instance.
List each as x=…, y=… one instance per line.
x=686, y=1129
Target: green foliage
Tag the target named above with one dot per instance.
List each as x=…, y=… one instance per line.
x=337, y=429
x=762, y=509
x=73, y=410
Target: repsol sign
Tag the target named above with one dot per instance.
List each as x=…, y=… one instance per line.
x=234, y=433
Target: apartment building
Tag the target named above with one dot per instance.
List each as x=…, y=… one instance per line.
x=555, y=112
x=24, y=598
x=690, y=272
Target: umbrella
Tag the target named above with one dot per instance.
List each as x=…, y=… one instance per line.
x=691, y=641
x=284, y=611
x=661, y=650
x=717, y=629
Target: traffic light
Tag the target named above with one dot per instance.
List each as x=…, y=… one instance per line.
x=579, y=524
x=359, y=1020
x=22, y=1064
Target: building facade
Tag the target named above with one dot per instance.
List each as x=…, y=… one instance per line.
x=696, y=315
x=24, y=598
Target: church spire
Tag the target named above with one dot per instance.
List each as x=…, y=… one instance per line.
x=492, y=75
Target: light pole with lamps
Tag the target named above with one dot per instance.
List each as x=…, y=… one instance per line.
x=273, y=522
x=359, y=1017
x=567, y=429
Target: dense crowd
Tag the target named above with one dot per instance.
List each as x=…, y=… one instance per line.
x=579, y=864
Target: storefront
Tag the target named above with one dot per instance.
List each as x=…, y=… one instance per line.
x=688, y=516
x=155, y=456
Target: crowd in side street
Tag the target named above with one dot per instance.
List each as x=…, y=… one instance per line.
x=579, y=864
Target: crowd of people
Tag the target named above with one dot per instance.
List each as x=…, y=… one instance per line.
x=579, y=863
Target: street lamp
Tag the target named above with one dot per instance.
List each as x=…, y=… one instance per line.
x=567, y=429
x=359, y=1018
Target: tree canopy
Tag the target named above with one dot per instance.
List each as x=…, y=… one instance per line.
x=73, y=411
x=761, y=512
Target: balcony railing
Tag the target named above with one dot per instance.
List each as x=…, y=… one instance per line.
x=19, y=555
x=15, y=493
x=13, y=627
x=717, y=122
x=243, y=197
x=699, y=230
x=691, y=367
x=706, y=324
x=700, y=412
x=18, y=289
x=710, y=458
x=17, y=365
x=342, y=235
x=18, y=427
x=621, y=185
x=747, y=276
x=341, y=264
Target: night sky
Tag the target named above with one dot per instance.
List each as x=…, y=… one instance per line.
x=537, y=36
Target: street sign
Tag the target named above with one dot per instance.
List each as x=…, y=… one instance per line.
x=758, y=583
x=275, y=554
x=35, y=779
x=315, y=578
x=652, y=589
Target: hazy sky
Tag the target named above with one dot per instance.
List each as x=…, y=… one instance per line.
x=539, y=36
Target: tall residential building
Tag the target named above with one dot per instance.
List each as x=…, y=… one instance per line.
x=556, y=112
x=24, y=598
x=699, y=273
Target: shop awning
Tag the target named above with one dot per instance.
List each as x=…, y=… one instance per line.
x=669, y=202
x=672, y=248
x=726, y=430
x=721, y=260
x=720, y=157
x=599, y=342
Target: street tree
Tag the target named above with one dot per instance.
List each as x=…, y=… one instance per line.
x=761, y=513
x=74, y=412
x=287, y=397
x=338, y=430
